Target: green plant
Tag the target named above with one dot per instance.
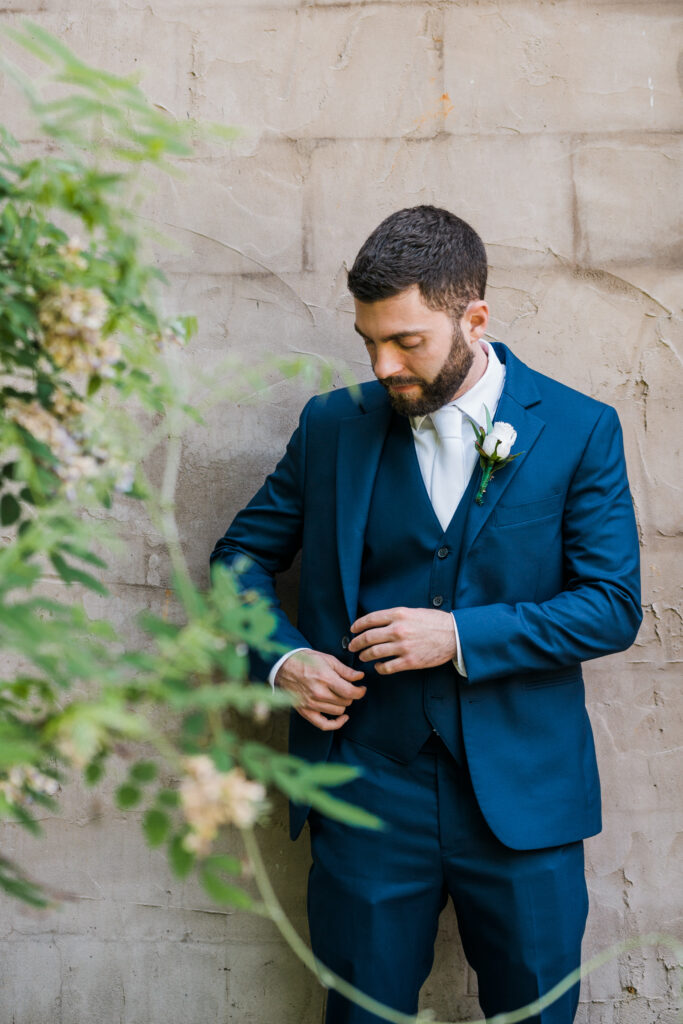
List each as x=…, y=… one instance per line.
x=89, y=385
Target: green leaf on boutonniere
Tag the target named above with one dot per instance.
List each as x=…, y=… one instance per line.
x=500, y=435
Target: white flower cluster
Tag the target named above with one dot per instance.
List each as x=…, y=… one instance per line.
x=60, y=430
x=502, y=434
x=211, y=798
x=73, y=465
x=72, y=252
x=24, y=779
x=72, y=321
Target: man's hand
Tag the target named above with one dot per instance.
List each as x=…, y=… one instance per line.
x=323, y=685
x=410, y=637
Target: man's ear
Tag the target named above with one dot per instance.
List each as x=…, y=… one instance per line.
x=474, y=320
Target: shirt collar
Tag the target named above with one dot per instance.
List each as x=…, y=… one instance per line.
x=486, y=392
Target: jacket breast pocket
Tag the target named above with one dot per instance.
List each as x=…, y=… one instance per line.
x=529, y=511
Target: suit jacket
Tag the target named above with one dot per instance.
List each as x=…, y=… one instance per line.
x=549, y=577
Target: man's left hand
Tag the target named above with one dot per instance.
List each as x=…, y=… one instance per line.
x=410, y=638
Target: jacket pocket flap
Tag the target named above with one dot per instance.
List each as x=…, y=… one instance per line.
x=572, y=675
x=507, y=515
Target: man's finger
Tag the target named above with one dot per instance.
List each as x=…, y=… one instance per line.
x=352, y=675
x=381, y=651
x=322, y=723
x=326, y=707
x=379, y=618
x=370, y=637
x=347, y=691
x=387, y=668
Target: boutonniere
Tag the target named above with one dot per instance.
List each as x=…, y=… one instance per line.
x=494, y=445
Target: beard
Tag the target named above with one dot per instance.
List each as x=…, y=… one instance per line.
x=439, y=391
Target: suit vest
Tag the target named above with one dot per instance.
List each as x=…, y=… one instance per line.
x=410, y=561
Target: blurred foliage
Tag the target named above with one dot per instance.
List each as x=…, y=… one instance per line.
x=91, y=381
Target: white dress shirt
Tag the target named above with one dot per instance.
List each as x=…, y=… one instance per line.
x=486, y=392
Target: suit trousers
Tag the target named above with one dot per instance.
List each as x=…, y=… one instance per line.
x=374, y=897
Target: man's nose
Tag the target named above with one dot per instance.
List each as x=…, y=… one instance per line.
x=388, y=363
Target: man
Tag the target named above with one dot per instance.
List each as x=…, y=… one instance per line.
x=441, y=632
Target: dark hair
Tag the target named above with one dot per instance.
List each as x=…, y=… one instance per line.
x=426, y=246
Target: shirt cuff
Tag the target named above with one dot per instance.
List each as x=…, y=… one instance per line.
x=276, y=667
x=458, y=660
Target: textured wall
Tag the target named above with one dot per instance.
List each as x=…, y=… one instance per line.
x=554, y=127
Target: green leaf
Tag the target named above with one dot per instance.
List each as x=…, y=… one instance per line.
x=45, y=389
x=156, y=626
x=223, y=862
x=127, y=796
x=27, y=820
x=82, y=553
x=72, y=575
x=16, y=744
x=182, y=860
x=330, y=774
x=144, y=771
x=93, y=772
x=339, y=810
x=489, y=423
x=10, y=510
x=22, y=888
x=156, y=825
x=168, y=798
x=195, y=725
x=223, y=893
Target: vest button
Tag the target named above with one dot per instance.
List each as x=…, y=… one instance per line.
x=437, y=601
x=442, y=553
x=346, y=640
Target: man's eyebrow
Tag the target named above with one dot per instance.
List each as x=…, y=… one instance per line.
x=394, y=337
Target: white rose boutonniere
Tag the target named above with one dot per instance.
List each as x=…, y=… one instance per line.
x=500, y=440
x=494, y=446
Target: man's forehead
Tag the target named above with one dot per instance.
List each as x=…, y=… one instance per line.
x=398, y=316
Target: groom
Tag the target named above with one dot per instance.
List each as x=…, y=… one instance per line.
x=441, y=632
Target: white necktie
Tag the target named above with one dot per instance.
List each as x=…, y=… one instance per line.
x=448, y=481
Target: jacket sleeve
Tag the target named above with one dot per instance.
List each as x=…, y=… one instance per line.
x=598, y=611
x=263, y=540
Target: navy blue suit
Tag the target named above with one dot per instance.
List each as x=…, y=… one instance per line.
x=541, y=577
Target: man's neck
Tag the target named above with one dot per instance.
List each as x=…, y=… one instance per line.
x=476, y=371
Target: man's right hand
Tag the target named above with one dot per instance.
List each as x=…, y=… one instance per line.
x=322, y=685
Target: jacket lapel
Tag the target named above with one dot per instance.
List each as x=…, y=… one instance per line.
x=361, y=439
x=519, y=395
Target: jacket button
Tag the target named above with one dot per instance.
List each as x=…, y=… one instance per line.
x=442, y=553
x=437, y=601
x=346, y=640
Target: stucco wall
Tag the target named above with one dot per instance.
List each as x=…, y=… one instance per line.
x=554, y=127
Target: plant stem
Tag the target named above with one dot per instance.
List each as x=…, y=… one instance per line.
x=325, y=976
x=331, y=980
x=483, y=484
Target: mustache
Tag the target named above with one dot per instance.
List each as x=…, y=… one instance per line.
x=398, y=382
